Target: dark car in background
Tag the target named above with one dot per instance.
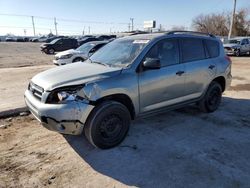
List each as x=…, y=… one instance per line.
x=106, y=37
x=50, y=39
x=58, y=45
x=87, y=39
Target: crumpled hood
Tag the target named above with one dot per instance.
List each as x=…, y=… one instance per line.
x=67, y=52
x=73, y=74
x=231, y=45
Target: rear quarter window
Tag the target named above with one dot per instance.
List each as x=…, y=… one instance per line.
x=192, y=49
x=212, y=48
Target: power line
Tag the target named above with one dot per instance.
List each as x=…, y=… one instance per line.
x=66, y=20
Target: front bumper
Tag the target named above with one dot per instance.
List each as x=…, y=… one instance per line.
x=68, y=118
x=230, y=51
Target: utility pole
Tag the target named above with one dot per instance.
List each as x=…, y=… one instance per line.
x=83, y=31
x=232, y=21
x=55, y=26
x=128, y=27
x=33, y=23
x=132, y=23
x=24, y=31
x=89, y=29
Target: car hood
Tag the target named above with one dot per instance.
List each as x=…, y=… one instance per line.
x=231, y=45
x=73, y=74
x=67, y=52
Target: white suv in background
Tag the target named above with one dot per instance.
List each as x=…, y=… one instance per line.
x=80, y=54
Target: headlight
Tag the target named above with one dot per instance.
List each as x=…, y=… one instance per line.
x=66, y=56
x=65, y=94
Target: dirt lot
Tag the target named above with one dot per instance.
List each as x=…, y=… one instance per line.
x=182, y=148
x=19, y=54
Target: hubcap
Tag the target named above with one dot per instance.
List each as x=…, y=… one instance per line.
x=111, y=126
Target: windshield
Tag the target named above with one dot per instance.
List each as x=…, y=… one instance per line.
x=233, y=42
x=120, y=52
x=85, y=48
x=54, y=41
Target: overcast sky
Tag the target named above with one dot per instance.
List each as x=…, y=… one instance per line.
x=103, y=16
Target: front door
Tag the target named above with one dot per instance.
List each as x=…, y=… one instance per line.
x=165, y=86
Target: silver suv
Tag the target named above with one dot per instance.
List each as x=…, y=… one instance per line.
x=130, y=77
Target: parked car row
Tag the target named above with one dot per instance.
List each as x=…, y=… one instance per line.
x=65, y=43
x=237, y=46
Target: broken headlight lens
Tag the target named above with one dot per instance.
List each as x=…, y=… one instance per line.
x=65, y=94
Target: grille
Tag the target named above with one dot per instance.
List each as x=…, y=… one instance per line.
x=36, y=91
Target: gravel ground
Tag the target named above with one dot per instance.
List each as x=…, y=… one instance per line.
x=19, y=54
x=182, y=148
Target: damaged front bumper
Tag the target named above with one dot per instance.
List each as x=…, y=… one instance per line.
x=66, y=118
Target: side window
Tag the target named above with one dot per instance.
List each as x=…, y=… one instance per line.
x=212, y=48
x=245, y=41
x=192, y=49
x=97, y=47
x=59, y=41
x=166, y=51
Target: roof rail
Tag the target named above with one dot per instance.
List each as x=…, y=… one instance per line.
x=191, y=32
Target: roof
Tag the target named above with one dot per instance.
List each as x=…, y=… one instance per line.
x=171, y=33
x=144, y=36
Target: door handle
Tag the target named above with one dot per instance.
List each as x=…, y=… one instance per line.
x=211, y=67
x=179, y=73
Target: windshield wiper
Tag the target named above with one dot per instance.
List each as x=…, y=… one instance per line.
x=100, y=63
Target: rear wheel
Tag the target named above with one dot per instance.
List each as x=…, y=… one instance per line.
x=107, y=125
x=212, y=98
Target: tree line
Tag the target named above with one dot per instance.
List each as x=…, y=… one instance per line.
x=219, y=23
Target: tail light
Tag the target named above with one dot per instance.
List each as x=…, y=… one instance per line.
x=228, y=59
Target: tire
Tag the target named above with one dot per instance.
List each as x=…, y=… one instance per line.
x=51, y=51
x=77, y=59
x=212, y=98
x=107, y=125
x=237, y=53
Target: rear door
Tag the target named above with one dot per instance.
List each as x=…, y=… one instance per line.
x=200, y=66
x=165, y=86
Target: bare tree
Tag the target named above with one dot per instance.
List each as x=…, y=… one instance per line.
x=219, y=23
x=212, y=23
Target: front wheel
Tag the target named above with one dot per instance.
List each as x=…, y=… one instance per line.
x=237, y=53
x=107, y=125
x=212, y=98
x=51, y=51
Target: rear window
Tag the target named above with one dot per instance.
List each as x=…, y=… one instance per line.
x=192, y=49
x=212, y=48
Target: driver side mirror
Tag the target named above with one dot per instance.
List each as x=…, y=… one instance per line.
x=152, y=63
